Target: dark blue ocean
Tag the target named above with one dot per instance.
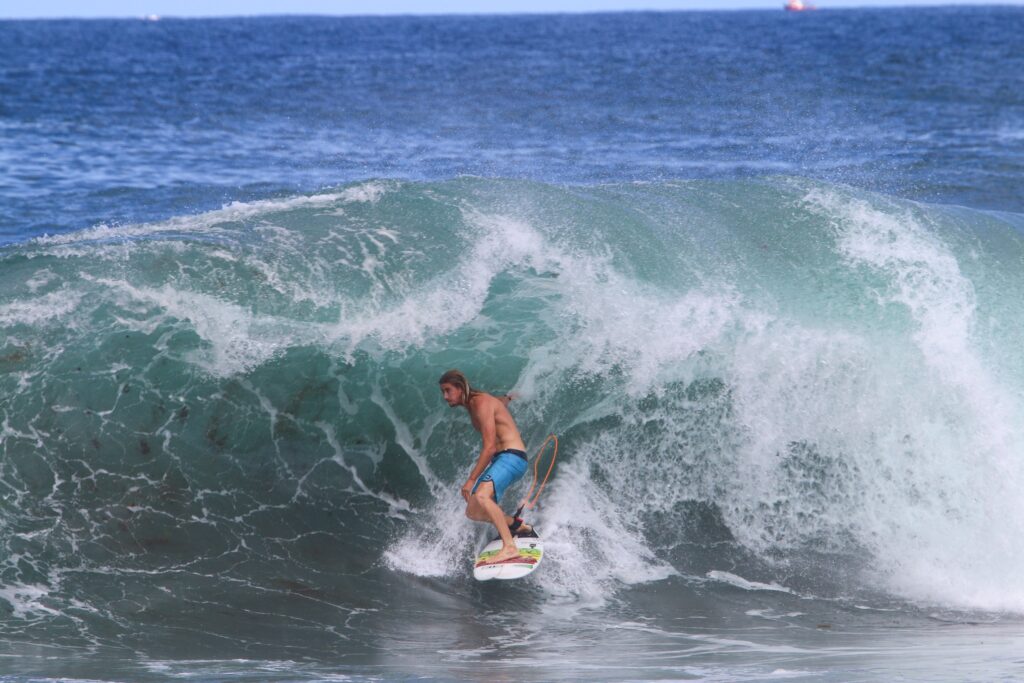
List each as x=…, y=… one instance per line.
x=760, y=271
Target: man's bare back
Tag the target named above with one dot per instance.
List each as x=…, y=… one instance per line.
x=482, y=406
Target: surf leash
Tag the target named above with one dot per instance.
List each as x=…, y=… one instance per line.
x=531, y=499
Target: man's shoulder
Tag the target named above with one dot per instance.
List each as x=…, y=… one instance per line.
x=481, y=400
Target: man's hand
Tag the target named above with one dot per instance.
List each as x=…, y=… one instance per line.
x=467, y=489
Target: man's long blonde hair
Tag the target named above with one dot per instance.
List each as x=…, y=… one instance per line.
x=459, y=381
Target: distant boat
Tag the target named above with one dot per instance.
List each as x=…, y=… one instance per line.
x=798, y=6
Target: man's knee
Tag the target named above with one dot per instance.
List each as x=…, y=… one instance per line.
x=482, y=497
x=473, y=509
x=484, y=493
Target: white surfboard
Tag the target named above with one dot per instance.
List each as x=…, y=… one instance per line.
x=530, y=554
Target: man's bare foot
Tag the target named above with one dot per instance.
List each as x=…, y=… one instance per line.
x=507, y=552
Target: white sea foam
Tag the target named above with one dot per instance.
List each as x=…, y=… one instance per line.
x=442, y=546
x=940, y=473
x=740, y=582
x=26, y=600
x=50, y=308
x=40, y=279
x=593, y=546
x=370, y=192
x=236, y=339
x=454, y=298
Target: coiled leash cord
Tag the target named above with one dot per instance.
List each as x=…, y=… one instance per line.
x=531, y=499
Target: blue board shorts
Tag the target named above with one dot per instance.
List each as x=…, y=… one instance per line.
x=506, y=468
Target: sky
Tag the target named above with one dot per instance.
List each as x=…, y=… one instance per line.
x=16, y=9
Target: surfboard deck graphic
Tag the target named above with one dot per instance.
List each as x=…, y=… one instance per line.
x=531, y=551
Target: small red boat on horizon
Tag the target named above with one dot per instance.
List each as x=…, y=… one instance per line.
x=798, y=6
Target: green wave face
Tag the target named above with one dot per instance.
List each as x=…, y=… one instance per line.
x=790, y=368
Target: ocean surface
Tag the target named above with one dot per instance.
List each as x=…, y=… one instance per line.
x=761, y=272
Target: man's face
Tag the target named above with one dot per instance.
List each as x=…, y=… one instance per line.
x=452, y=395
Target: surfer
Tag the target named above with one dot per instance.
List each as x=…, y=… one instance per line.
x=501, y=463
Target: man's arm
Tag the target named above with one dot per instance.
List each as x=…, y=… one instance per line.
x=483, y=415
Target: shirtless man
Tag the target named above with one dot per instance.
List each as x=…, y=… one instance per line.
x=502, y=460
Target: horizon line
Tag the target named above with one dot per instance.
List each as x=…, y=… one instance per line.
x=511, y=13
